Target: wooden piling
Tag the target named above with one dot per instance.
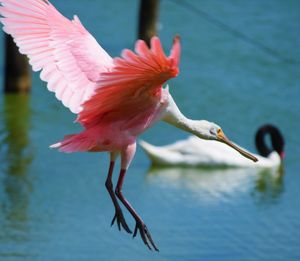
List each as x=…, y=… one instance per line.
x=148, y=17
x=17, y=76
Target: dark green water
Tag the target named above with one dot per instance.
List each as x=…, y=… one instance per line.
x=54, y=206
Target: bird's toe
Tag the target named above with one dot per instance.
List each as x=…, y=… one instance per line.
x=145, y=234
x=121, y=222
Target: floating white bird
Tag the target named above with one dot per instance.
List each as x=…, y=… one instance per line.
x=197, y=152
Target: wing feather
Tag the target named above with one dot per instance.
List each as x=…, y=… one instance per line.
x=132, y=83
x=70, y=59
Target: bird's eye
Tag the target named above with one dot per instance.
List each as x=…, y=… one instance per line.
x=219, y=131
x=212, y=131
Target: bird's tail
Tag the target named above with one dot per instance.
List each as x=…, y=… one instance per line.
x=75, y=143
x=154, y=153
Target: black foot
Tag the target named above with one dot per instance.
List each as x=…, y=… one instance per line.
x=145, y=234
x=120, y=221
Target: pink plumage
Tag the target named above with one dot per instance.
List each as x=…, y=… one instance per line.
x=134, y=80
x=128, y=99
x=69, y=58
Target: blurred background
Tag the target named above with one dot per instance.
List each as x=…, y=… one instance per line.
x=239, y=68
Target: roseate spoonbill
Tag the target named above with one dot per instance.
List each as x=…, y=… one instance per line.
x=116, y=99
x=195, y=152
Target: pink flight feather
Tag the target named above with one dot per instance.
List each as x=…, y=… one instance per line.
x=70, y=58
x=133, y=83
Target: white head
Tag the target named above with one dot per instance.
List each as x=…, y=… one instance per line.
x=211, y=131
x=204, y=129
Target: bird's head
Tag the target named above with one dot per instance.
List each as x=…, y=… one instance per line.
x=211, y=131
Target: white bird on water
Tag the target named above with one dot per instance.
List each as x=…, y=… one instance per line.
x=198, y=152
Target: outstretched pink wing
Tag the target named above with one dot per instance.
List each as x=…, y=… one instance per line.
x=132, y=84
x=70, y=58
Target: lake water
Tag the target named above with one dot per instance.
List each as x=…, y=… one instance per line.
x=54, y=206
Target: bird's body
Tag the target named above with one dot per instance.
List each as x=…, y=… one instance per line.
x=116, y=99
x=106, y=135
x=194, y=152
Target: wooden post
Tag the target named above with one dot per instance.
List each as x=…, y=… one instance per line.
x=17, y=70
x=148, y=17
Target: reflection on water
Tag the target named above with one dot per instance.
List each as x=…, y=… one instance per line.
x=213, y=185
x=15, y=158
x=269, y=185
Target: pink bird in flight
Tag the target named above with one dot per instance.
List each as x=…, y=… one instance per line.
x=116, y=99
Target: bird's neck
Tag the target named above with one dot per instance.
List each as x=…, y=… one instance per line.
x=174, y=117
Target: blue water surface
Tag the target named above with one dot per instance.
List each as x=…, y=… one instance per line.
x=54, y=206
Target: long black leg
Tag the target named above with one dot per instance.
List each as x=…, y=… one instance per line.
x=140, y=225
x=118, y=214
